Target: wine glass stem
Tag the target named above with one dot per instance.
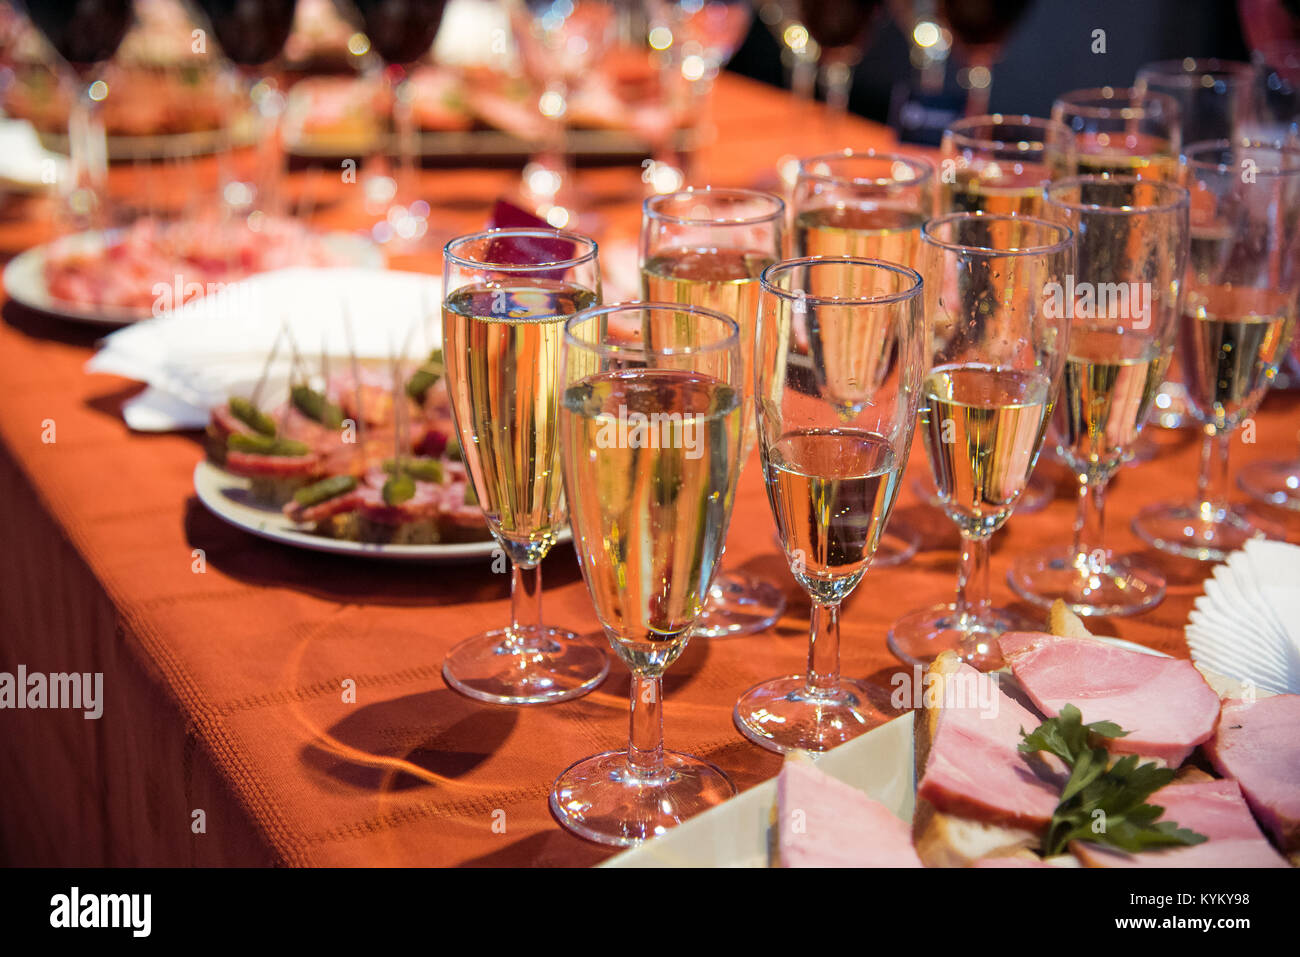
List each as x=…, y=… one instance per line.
x=1089, y=526
x=403, y=96
x=525, y=605
x=839, y=82
x=973, y=577
x=645, y=740
x=1212, y=483
x=88, y=155
x=824, y=647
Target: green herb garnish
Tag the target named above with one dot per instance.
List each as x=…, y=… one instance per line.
x=399, y=489
x=316, y=406
x=1118, y=791
x=324, y=490
x=452, y=451
x=252, y=416
x=266, y=445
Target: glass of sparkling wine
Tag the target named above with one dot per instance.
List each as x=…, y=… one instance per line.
x=1000, y=164
x=507, y=294
x=871, y=205
x=706, y=247
x=652, y=428
x=1122, y=301
x=1238, y=316
x=1123, y=132
x=839, y=366
x=997, y=347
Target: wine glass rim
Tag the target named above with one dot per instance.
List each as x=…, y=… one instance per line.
x=928, y=236
x=732, y=338
x=535, y=232
x=1176, y=195
x=958, y=132
x=721, y=192
x=1282, y=148
x=921, y=167
x=767, y=284
x=1130, y=103
x=1187, y=71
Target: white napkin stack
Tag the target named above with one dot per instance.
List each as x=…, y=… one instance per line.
x=196, y=357
x=1247, y=624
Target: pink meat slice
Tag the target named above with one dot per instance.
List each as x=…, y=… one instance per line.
x=975, y=770
x=1163, y=703
x=1258, y=745
x=1213, y=808
x=824, y=822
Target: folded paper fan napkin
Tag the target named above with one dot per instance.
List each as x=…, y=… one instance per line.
x=197, y=356
x=1247, y=624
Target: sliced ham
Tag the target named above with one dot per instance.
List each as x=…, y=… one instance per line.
x=823, y=822
x=1258, y=745
x=1163, y=703
x=1213, y=808
x=973, y=768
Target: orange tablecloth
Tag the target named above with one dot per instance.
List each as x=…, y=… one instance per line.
x=223, y=676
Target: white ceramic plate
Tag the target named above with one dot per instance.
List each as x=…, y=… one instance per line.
x=880, y=763
x=24, y=278
x=225, y=496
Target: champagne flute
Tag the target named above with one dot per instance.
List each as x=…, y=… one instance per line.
x=980, y=31
x=651, y=429
x=86, y=34
x=1238, y=316
x=251, y=34
x=707, y=247
x=400, y=32
x=862, y=203
x=871, y=205
x=999, y=164
x=997, y=347
x=839, y=364
x=507, y=294
x=559, y=41
x=1217, y=99
x=1122, y=132
x=1131, y=243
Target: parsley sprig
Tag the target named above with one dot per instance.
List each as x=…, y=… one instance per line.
x=1119, y=791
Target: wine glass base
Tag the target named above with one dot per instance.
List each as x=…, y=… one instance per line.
x=1117, y=587
x=897, y=545
x=918, y=638
x=1273, y=483
x=784, y=714
x=549, y=665
x=739, y=604
x=1184, y=531
x=602, y=798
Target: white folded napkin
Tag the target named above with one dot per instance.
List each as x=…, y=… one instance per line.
x=23, y=161
x=196, y=357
